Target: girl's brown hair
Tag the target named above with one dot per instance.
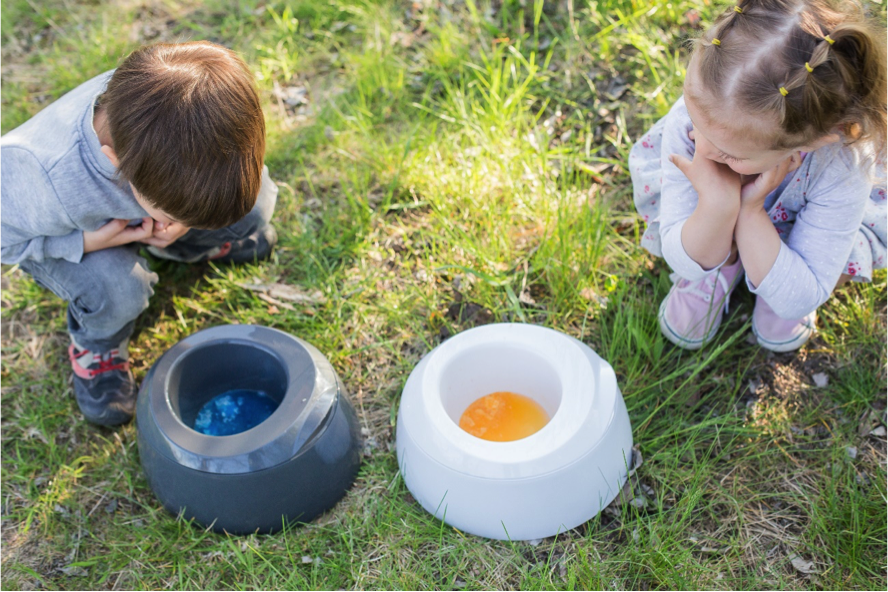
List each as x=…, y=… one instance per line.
x=817, y=66
x=188, y=131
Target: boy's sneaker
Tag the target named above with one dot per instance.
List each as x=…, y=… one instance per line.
x=256, y=247
x=692, y=311
x=777, y=334
x=103, y=385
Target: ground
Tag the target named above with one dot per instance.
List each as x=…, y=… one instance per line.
x=443, y=165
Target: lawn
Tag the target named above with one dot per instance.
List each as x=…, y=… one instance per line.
x=441, y=165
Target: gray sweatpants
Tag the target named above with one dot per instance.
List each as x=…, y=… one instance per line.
x=108, y=289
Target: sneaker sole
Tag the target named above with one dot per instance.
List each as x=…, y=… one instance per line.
x=784, y=346
x=270, y=237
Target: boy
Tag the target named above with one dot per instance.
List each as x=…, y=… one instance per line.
x=166, y=152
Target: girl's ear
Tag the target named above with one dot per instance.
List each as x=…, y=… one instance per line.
x=112, y=156
x=821, y=142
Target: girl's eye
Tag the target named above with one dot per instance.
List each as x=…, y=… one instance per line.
x=729, y=158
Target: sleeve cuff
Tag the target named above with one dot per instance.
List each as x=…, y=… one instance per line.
x=789, y=297
x=68, y=247
x=679, y=260
x=772, y=282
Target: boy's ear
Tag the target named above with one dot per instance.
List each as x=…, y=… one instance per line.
x=112, y=156
x=815, y=145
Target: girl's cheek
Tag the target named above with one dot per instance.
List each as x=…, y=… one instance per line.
x=743, y=168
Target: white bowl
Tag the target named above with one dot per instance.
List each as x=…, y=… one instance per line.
x=539, y=486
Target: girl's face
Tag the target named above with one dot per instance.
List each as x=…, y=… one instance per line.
x=728, y=144
x=734, y=138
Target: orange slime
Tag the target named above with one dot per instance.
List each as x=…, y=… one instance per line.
x=503, y=417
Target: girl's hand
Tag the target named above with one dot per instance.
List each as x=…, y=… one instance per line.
x=116, y=233
x=714, y=182
x=754, y=192
x=166, y=234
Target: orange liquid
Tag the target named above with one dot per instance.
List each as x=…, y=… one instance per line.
x=503, y=417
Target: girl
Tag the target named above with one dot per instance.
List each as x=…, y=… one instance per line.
x=772, y=164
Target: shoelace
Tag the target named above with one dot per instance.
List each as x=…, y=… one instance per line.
x=708, y=284
x=104, y=361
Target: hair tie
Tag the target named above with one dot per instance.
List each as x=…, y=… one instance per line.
x=829, y=39
x=808, y=68
x=783, y=91
x=715, y=41
x=738, y=10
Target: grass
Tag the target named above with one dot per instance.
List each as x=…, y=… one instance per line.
x=451, y=163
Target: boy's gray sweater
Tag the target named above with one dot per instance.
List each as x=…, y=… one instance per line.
x=57, y=183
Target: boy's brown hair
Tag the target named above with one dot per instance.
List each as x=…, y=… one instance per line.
x=816, y=66
x=188, y=131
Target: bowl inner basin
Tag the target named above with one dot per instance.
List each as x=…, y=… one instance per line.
x=489, y=368
x=218, y=388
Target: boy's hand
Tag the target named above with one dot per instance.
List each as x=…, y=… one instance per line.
x=166, y=234
x=754, y=192
x=116, y=233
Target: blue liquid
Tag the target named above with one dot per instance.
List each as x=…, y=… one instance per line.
x=234, y=412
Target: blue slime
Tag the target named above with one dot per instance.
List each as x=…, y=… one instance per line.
x=234, y=412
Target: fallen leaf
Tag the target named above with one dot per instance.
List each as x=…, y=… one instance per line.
x=592, y=296
x=802, y=565
x=639, y=502
x=74, y=570
x=33, y=432
x=637, y=460
x=402, y=38
x=868, y=421
x=292, y=96
x=286, y=292
x=525, y=298
x=626, y=495
x=274, y=302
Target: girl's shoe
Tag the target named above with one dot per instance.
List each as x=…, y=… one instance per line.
x=692, y=311
x=777, y=334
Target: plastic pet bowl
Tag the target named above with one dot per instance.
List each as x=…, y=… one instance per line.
x=290, y=467
x=535, y=487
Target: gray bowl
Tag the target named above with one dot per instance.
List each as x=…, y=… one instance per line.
x=293, y=466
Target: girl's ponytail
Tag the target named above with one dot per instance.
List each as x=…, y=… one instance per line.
x=817, y=66
x=859, y=54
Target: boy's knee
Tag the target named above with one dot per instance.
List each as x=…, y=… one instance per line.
x=266, y=199
x=261, y=213
x=121, y=284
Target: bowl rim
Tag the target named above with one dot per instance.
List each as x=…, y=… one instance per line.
x=588, y=404
x=274, y=441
